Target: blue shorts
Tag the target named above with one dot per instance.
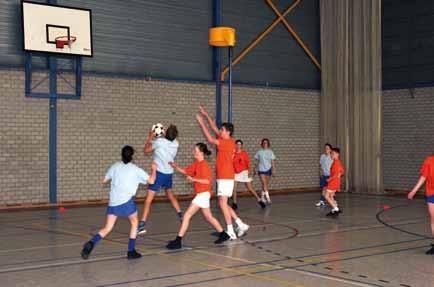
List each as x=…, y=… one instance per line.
x=125, y=209
x=267, y=173
x=163, y=180
x=430, y=199
x=323, y=181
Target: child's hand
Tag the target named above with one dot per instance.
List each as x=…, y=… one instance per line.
x=410, y=195
x=203, y=111
x=173, y=164
x=199, y=118
x=151, y=134
x=189, y=178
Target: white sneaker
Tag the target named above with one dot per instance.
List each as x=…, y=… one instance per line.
x=267, y=196
x=263, y=197
x=320, y=203
x=242, y=230
x=232, y=235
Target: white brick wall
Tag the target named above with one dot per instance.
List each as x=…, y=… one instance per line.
x=23, y=143
x=408, y=135
x=116, y=111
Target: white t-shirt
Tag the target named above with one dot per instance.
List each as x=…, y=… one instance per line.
x=164, y=152
x=265, y=156
x=125, y=179
x=325, y=162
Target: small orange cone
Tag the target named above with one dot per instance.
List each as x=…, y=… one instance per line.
x=386, y=207
x=62, y=209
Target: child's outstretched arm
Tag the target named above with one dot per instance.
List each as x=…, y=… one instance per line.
x=151, y=179
x=418, y=185
x=205, y=130
x=211, y=121
x=177, y=167
x=147, y=149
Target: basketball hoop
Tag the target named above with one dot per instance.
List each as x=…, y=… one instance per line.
x=64, y=40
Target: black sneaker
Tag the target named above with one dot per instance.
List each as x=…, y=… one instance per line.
x=222, y=238
x=174, y=244
x=333, y=213
x=431, y=251
x=133, y=254
x=87, y=249
x=261, y=204
x=234, y=206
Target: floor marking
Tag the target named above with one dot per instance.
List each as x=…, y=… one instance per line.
x=40, y=247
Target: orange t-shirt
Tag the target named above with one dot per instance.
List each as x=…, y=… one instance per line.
x=225, y=156
x=200, y=170
x=241, y=161
x=335, y=183
x=427, y=171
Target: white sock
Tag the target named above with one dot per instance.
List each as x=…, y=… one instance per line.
x=230, y=228
x=336, y=209
x=239, y=222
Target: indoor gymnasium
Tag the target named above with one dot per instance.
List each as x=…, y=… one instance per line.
x=217, y=143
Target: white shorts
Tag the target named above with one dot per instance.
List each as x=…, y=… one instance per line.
x=243, y=176
x=225, y=187
x=202, y=199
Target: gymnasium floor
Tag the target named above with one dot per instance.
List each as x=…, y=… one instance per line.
x=291, y=243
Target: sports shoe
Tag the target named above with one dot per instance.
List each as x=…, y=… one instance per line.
x=87, y=249
x=263, y=197
x=320, y=203
x=234, y=206
x=261, y=204
x=333, y=213
x=267, y=197
x=180, y=215
x=133, y=254
x=223, y=236
x=242, y=230
x=174, y=244
x=141, y=228
x=430, y=251
x=232, y=235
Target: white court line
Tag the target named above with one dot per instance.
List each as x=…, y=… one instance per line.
x=323, y=276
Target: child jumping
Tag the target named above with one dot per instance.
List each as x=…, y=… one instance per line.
x=224, y=169
x=164, y=150
x=427, y=177
x=200, y=174
x=125, y=177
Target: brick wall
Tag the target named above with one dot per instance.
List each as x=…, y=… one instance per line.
x=23, y=143
x=408, y=135
x=116, y=111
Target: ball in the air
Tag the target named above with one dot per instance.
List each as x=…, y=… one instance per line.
x=158, y=130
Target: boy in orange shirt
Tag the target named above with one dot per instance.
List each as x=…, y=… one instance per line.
x=242, y=166
x=334, y=182
x=224, y=169
x=427, y=177
x=200, y=174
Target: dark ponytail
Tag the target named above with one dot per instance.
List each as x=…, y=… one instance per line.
x=127, y=154
x=203, y=148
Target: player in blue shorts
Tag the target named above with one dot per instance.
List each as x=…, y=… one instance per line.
x=325, y=163
x=164, y=151
x=266, y=167
x=125, y=177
